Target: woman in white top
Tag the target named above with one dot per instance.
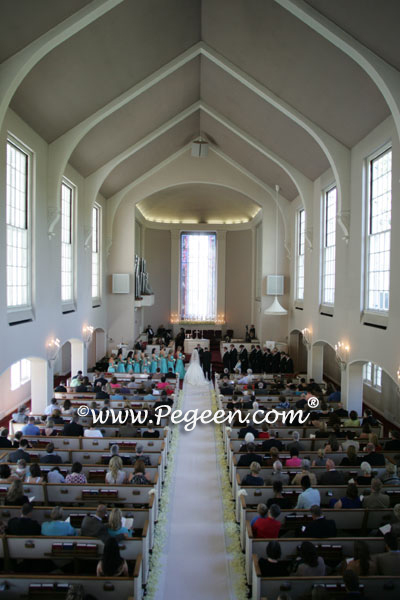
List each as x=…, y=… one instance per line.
x=115, y=475
x=34, y=474
x=92, y=432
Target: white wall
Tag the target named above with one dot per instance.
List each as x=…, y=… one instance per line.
x=29, y=339
x=238, y=278
x=10, y=400
x=157, y=252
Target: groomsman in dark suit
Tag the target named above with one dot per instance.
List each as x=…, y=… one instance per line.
x=201, y=354
x=259, y=368
x=276, y=361
x=253, y=358
x=233, y=357
x=244, y=358
x=207, y=364
x=267, y=361
x=289, y=364
x=226, y=359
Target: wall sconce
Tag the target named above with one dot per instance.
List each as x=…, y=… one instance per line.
x=87, y=333
x=174, y=318
x=307, y=337
x=342, y=354
x=52, y=349
x=220, y=320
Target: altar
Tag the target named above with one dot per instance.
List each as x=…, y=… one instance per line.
x=190, y=344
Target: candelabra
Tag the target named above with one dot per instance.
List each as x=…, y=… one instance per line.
x=87, y=333
x=342, y=354
x=52, y=348
x=307, y=337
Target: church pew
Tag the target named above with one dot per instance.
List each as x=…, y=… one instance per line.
x=332, y=549
x=40, y=547
x=260, y=495
x=298, y=587
x=304, y=430
x=55, y=587
x=36, y=490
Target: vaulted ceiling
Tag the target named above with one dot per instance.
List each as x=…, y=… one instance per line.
x=261, y=40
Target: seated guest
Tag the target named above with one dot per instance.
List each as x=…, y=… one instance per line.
x=20, y=469
x=102, y=394
x=272, y=566
x=55, y=476
x=394, y=442
x=333, y=445
x=294, y=460
x=50, y=457
x=320, y=460
x=57, y=525
x=60, y=387
x=93, y=525
x=34, y=474
x=350, y=500
x=246, y=459
x=334, y=396
x=76, y=475
x=365, y=477
x=277, y=474
x=351, y=460
x=111, y=563
x=375, y=459
x=388, y=563
x=115, y=475
x=4, y=441
x=253, y=478
x=73, y=428
x=331, y=477
x=20, y=416
x=140, y=456
x=93, y=432
x=50, y=407
x=49, y=429
x=248, y=439
x=151, y=432
x=320, y=526
x=30, y=428
x=248, y=429
x=272, y=442
x=376, y=499
x=390, y=477
x=264, y=434
x=362, y=563
x=139, y=475
x=278, y=497
x=352, y=586
x=309, y=564
x=67, y=409
x=100, y=379
x=350, y=441
x=266, y=524
x=295, y=444
x=353, y=420
x=84, y=385
x=305, y=470
x=5, y=474
x=15, y=494
x=365, y=431
x=163, y=383
x=20, y=453
x=115, y=527
x=56, y=417
x=24, y=525
x=309, y=495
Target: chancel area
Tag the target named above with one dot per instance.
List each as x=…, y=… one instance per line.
x=198, y=211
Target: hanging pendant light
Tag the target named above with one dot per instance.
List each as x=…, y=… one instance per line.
x=276, y=310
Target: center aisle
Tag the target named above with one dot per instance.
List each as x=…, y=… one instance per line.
x=195, y=560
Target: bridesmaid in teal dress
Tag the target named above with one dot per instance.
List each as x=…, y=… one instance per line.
x=145, y=364
x=154, y=361
x=129, y=365
x=121, y=366
x=111, y=365
x=136, y=363
x=163, y=361
x=171, y=361
x=180, y=369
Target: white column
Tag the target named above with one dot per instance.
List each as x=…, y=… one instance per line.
x=315, y=366
x=221, y=266
x=78, y=357
x=41, y=384
x=352, y=387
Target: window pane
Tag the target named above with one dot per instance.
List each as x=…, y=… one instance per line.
x=95, y=252
x=378, y=243
x=329, y=247
x=18, y=292
x=67, y=258
x=300, y=255
x=198, y=276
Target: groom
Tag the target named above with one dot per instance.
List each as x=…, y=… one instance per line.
x=201, y=352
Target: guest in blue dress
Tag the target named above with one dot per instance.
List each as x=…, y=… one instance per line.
x=121, y=366
x=163, y=361
x=180, y=369
x=350, y=500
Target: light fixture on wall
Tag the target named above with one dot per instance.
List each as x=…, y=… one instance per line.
x=342, y=351
x=220, y=320
x=52, y=349
x=87, y=333
x=174, y=318
x=276, y=310
x=307, y=337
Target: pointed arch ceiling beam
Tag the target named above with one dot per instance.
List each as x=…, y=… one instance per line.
x=385, y=77
x=61, y=149
x=16, y=67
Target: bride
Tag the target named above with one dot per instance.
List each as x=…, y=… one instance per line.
x=194, y=374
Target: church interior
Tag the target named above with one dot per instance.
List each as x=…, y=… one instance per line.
x=199, y=187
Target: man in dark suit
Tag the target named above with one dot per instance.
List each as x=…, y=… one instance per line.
x=14, y=457
x=394, y=442
x=272, y=442
x=289, y=364
x=150, y=334
x=331, y=476
x=4, y=441
x=233, y=357
x=253, y=358
x=244, y=358
x=389, y=562
x=259, y=366
x=246, y=459
x=267, y=361
x=207, y=364
x=247, y=429
x=276, y=361
x=375, y=459
x=50, y=457
x=24, y=525
x=94, y=526
x=200, y=350
x=73, y=429
x=320, y=526
x=180, y=338
x=226, y=359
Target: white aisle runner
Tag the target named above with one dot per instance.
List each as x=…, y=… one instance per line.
x=195, y=560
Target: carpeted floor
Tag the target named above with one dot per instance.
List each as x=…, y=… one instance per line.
x=195, y=561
